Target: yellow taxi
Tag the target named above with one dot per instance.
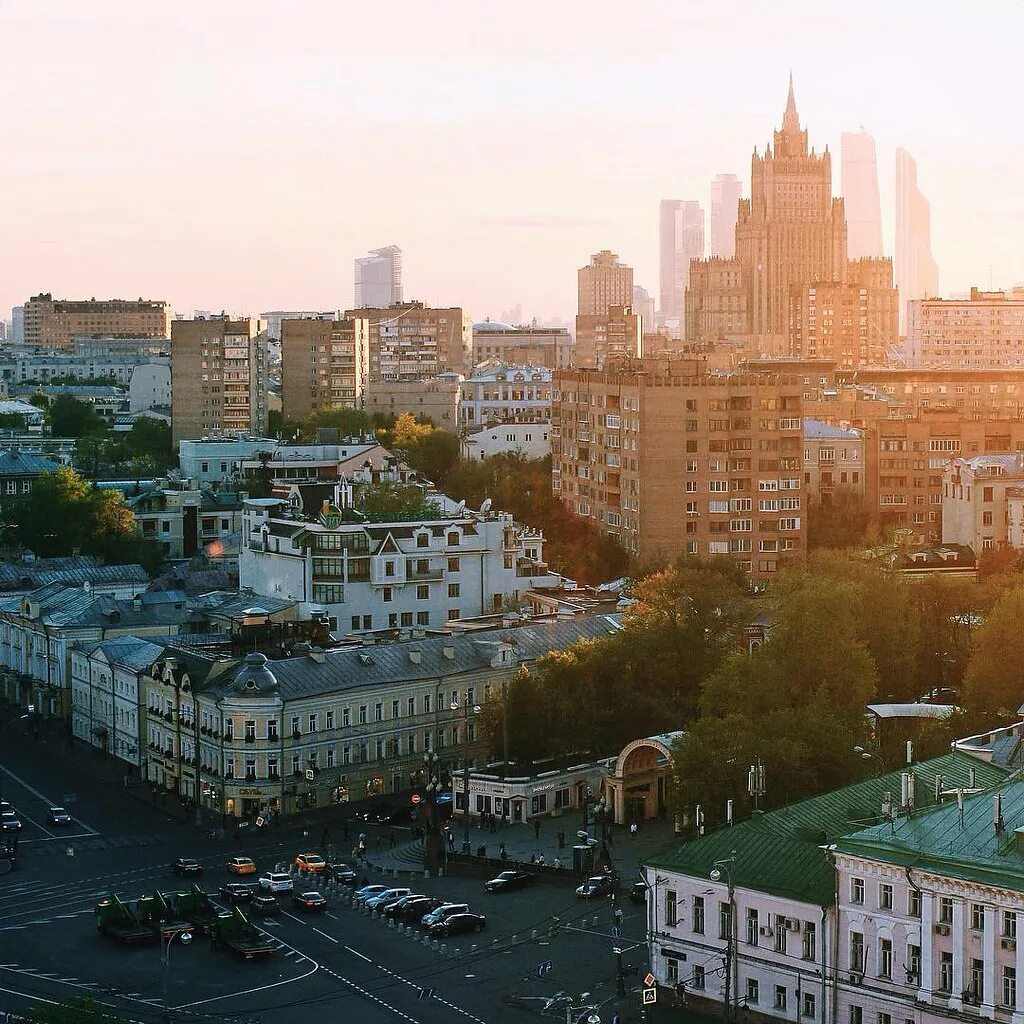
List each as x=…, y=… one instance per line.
x=310, y=862
x=241, y=866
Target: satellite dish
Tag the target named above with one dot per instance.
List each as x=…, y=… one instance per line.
x=485, y=507
x=461, y=506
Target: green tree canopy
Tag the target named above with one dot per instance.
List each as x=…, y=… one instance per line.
x=993, y=681
x=391, y=502
x=70, y=417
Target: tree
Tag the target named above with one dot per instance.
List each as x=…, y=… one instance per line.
x=390, y=502
x=69, y=417
x=993, y=679
x=12, y=421
x=348, y=422
x=434, y=455
x=150, y=440
x=842, y=522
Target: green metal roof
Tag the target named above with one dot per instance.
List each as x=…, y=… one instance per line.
x=780, y=852
x=963, y=845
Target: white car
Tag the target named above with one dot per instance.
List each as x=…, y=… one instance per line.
x=276, y=881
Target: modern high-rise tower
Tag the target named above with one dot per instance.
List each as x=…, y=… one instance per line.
x=726, y=190
x=859, y=186
x=917, y=275
x=681, y=232
x=379, y=278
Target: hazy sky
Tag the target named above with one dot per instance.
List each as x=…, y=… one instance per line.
x=239, y=154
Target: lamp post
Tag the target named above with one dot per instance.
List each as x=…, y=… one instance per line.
x=431, y=789
x=866, y=755
x=718, y=869
x=168, y=936
x=465, y=709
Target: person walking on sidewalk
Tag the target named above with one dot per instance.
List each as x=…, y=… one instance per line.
x=536, y=828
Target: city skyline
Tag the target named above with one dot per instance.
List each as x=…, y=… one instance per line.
x=113, y=192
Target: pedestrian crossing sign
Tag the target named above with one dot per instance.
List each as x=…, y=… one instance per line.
x=650, y=996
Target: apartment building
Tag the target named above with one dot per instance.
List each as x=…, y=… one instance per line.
x=983, y=502
x=119, y=346
x=972, y=393
x=522, y=346
x=435, y=399
x=305, y=463
x=833, y=462
x=388, y=575
x=602, y=284
x=324, y=363
x=531, y=440
x=506, y=394
x=409, y=341
x=670, y=459
x=54, y=322
x=329, y=727
x=616, y=332
x=985, y=330
x=218, y=377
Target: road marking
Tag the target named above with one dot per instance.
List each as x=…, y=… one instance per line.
x=369, y=995
x=30, y=995
x=326, y=936
x=355, y=952
x=249, y=991
x=46, y=800
x=332, y=917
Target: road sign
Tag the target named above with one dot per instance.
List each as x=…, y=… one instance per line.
x=261, y=821
x=310, y=774
x=544, y=968
x=650, y=996
x=649, y=980
x=416, y=798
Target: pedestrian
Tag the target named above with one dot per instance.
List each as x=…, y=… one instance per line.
x=615, y=1018
x=540, y=858
x=633, y=828
x=533, y=858
x=451, y=841
x=494, y=825
x=561, y=839
x=618, y=915
x=502, y=852
x=391, y=840
x=557, y=862
x=536, y=828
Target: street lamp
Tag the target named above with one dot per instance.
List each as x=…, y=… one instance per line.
x=724, y=867
x=866, y=755
x=167, y=936
x=455, y=706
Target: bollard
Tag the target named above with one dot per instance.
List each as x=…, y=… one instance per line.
x=533, y=934
x=472, y=949
x=444, y=949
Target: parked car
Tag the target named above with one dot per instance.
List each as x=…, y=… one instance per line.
x=638, y=892
x=386, y=814
x=412, y=907
x=442, y=912
x=264, y=906
x=940, y=695
x=509, y=880
x=58, y=816
x=382, y=899
x=457, y=924
x=342, y=873
x=310, y=862
x=236, y=893
x=187, y=866
x=276, y=881
x=595, y=887
x=241, y=866
x=368, y=891
x=309, y=901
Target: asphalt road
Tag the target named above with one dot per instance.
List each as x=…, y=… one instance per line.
x=340, y=962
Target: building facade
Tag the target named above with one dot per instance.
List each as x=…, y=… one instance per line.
x=670, y=459
x=436, y=399
x=858, y=182
x=603, y=283
x=726, y=190
x=523, y=346
x=53, y=323
x=324, y=364
x=983, y=331
x=833, y=462
x=681, y=239
x=218, y=377
x=506, y=394
x=616, y=332
x=917, y=274
x=378, y=278
x=531, y=440
x=983, y=502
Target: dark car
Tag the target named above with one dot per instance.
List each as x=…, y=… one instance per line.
x=342, y=873
x=263, y=906
x=309, y=901
x=638, y=892
x=412, y=907
x=458, y=924
x=940, y=695
x=235, y=893
x=509, y=880
x=58, y=816
x=595, y=887
x=9, y=820
x=187, y=866
x=386, y=814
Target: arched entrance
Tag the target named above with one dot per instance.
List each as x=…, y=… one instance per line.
x=638, y=786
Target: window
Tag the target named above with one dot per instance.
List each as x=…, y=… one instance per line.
x=807, y=1006
x=423, y=592
x=884, y=896
x=250, y=731
x=914, y=902
x=453, y=564
x=753, y=991
x=978, y=980
x=856, y=890
x=857, y=952
x=780, y=997
x=698, y=977
x=946, y=909
x=884, y=1018
x=312, y=722
x=454, y=590
x=426, y=703
x=856, y=1015
x=1009, y=987
x=1009, y=928
x=672, y=970
x=452, y=539
x=671, y=908
x=810, y=945
x=378, y=711
x=395, y=709
x=422, y=540
x=389, y=568
x=724, y=920
x=913, y=962
x=698, y=915
x=752, y=927
x=781, y=934
x=885, y=958
x=272, y=729
x=346, y=718
x=410, y=706
x=329, y=722
x=387, y=594
x=945, y=971
x=362, y=714
x=977, y=917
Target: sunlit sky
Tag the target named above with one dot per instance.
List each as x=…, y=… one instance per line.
x=238, y=154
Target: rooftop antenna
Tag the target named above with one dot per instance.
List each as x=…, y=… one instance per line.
x=756, y=784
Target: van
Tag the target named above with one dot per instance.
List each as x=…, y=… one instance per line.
x=443, y=912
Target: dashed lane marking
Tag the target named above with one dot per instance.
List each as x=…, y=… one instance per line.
x=369, y=995
x=330, y=938
x=355, y=952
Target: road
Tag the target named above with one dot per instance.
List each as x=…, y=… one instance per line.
x=338, y=962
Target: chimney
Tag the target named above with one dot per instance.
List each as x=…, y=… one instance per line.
x=728, y=812
x=905, y=778
x=318, y=655
x=415, y=656
x=972, y=777
x=997, y=813
x=448, y=652
x=910, y=752
x=938, y=789
x=887, y=806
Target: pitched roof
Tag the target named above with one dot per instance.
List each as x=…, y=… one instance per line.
x=780, y=852
x=16, y=463
x=818, y=430
x=962, y=845
x=127, y=651
x=32, y=575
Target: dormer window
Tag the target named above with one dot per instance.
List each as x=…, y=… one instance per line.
x=422, y=540
x=453, y=539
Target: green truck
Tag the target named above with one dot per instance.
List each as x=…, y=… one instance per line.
x=196, y=907
x=115, y=919
x=158, y=913
x=234, y=932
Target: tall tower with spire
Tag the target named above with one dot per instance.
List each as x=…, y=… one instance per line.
x=791, y=231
